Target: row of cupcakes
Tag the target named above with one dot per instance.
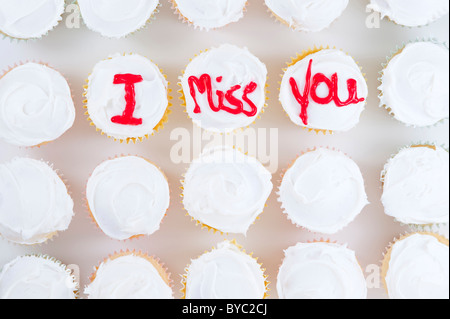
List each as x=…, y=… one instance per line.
x=224, y=89
x=116, y=19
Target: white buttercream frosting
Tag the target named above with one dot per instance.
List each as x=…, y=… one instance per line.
x=236, y=66
x=321, y=271
x=36, y=105
x=34, y=202
x=307, y=15
x=116, y=18
x=26, y=19
x=106, y=100
x=226, y=190
x=323, y=191
x=329, y=116
x=411, y=13
x=415, y=84
x=418, y=269
x=225, y=273
x=128, y=196
x=128, y=277
x=211, y=14
x=416, y=186
x=36, y=277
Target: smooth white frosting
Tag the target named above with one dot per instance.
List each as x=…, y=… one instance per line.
x=211, y=14
x=36, y=277
x=307, y=15
x=416, y=186
x=226, y=189
x=107, y=100
x=415, y=84
x=128, y=196
x=323, y=191
x=34, y=202
x=411, y=13
x=418, y=269
x=325, y=117
x=26, y=19
x=321, y=271
x=116, y=18
x=36, y=105
x=225, y=273
x=237, y=66
x=128, y=277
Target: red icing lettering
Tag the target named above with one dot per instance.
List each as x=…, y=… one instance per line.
x=127, y=117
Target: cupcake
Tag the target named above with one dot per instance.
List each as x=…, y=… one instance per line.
x=323, y=191
x=130, y=275
x=416, y=186
x=416, y=266
x=117, y=19
x=324, y=90
x=37, y=277
x=224, y=89
x=127, y=197
x=127, y=97
x=321, y=270
x=29, y=19
x=307, y=15
x=36, y=105
x=415, y=82
x=410, y=13
x=34, y=202
x=226, y=190
x=226, y=272
x=209, y=14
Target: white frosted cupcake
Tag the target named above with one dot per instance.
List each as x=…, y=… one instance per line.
x=307, y=15
x=36, y=105
x=37, y=277
x=224, y=88
x=415, y=84
x=411, y=13
x=226, y=272
x=29, y=19
x=226, y=190
x=323, y=191
x=34, y=202
x=321, y=270
x=127, y=197
x=117, y=18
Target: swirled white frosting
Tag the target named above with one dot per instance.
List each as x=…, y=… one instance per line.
x=237, y=66
x=226, y=189
x=128, y=196
x=411, y=13
x=27, y=19
x=128, y=277
x=418, y=269
x=323, y=191
x=106, y=100
x=307, y=15
x=416, y=186
x=325, y=117
x=36, y=277
x=116, y=18
x=34, y=202
x=36, y=105
x=415, y=84
x=225, y=273
x=211, y=14
x=321, y=271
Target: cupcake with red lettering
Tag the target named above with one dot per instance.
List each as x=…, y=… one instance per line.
x=324, y=90
x=224, y=89
x=127, y=98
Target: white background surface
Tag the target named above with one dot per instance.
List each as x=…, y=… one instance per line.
x=171, y=44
